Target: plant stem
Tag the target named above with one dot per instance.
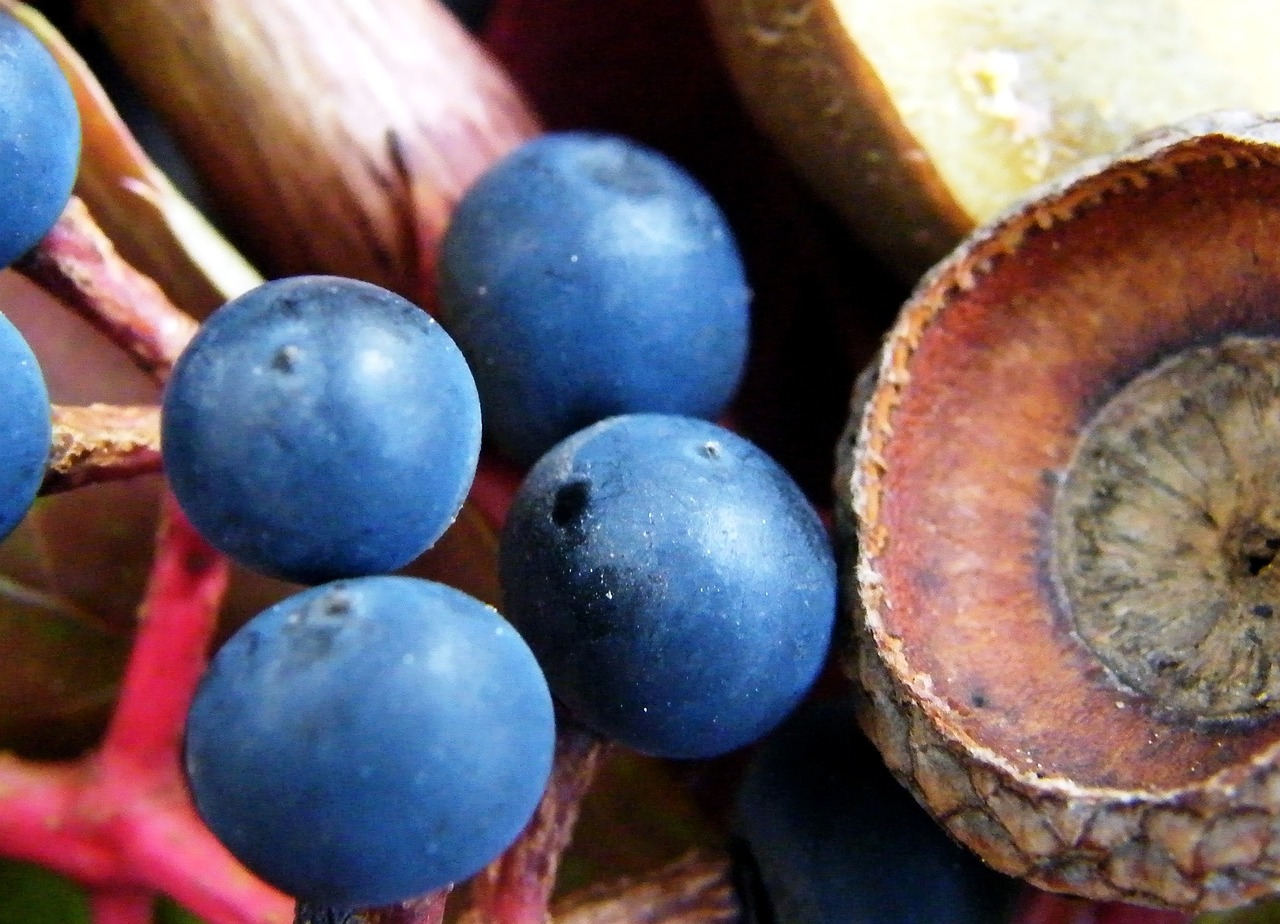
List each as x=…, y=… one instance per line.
x=516, y=888
x=121, y=906
x=101, y=442
x=177, y=621
x=696, y=889
x=79, y=265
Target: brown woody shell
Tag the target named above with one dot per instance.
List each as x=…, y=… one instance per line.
x=1021, y=729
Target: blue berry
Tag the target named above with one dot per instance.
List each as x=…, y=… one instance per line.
x=676, y=586
x=368, y=741
x=830, y=837
x=39, y=139
x=319, y=428
x=25, y=427
x=586, y=276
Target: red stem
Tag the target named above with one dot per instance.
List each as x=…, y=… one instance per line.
x=174, y=851
x=39, y=824
x=178, y=618
x=120, y=820
x=121, y=906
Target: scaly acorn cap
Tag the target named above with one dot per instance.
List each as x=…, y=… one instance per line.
x=1062, y=486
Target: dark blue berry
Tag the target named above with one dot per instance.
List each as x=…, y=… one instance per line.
x=39, y=139
x=676, y=586
x=368, y=741
x=319, y=428
x=586, y=276
x=25, y=427
x=830, y=837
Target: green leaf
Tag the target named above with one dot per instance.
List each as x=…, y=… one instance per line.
x=170, y=912
x=31, y=894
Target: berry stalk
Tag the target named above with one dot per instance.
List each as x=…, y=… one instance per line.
x=119, y=820
x=78, y=264
x=695, y=889
x=101, y=442
x=516, y=888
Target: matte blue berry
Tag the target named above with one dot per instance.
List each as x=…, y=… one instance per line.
x=39, y=139
x=676, y=586
x=830, y=837
x=25, y=427
x=586, y=276
x=368, y=741
x=319, y=428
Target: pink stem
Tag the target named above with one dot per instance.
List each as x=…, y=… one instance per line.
x=161, y=841
x=175, y=853
x=118, y=905
x=178, y=618
x=39, y=821
x=79, y=265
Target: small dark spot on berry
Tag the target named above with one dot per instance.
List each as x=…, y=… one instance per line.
x=286, y=359
x=571, y=503
x=979, y=700
x=337, y=606
x=710, y=450
x=1264, y=611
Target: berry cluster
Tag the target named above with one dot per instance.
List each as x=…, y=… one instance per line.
x=677, y=588
x=374, y=738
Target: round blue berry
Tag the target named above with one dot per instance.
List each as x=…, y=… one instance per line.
x=368, y=741
x=676, y=586
x=39, y=139
x=25, y=427
x=586, y=276
x=828, y=836
x=319, y=428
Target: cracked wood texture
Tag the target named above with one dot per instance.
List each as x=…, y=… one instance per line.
x=980, y=692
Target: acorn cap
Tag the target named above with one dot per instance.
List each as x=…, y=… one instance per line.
x=1061, y=483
